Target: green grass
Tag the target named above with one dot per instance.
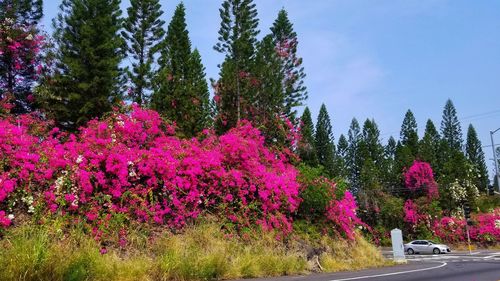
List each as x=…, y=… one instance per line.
x=201, y=252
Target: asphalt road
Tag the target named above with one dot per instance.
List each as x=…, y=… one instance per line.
x=481, y=266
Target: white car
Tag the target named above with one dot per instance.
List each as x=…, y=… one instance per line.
x=425, y=247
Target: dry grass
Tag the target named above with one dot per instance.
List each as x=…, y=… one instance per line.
x=199, y=253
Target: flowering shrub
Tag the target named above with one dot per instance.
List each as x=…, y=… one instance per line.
x=342, y=213
x=20, y=61
x=420, y=177
x=410, y=212
x=131, y=165
x=485, y=228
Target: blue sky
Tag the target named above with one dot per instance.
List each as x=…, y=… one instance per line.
x=377, y=59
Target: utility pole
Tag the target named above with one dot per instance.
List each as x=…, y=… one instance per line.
x=495, y=158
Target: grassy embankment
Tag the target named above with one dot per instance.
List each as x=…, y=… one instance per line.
x=199, y=253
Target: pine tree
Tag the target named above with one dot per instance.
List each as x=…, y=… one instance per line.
x=390, y=176
x=20, y=56
x=88, y=78
x=324, y=141
x=429, y=145
x=353, y=157
x=341, y=157
x=267, y=91
x=200, y=116
x=390, y=148
x=24, y=12
x=237, y=41
x=371, y=156
x=144, y=33
x=180, y=88
x=475, y=154
x=450, y=127
x=370, y=146
x=307, y=150
x=285, y=40
x=409, y=134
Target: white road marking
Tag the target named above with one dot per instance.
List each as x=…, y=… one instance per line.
x=393, y=273
x=492, y=255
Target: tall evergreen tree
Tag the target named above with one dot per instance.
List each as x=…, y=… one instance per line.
x=307, y=150
x=237, y=41
x=353, y=157
x=324, y=141
x=180, y=88
x=200, y=116
x=450, y=127
x=409, y=134
x=88, y=78
x=475, y=154
x=371, y=156
x=390, y=176
x=341, y=157
x=429, y=145
x=285, y=40
x=267, y=91
x=370, y=146
x=24, y=12
x=19, y=51
x=144, y=33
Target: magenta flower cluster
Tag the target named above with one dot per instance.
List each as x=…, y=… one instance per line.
x=421, y=177
x=485, y=228
x=134, y=166
x=342, y=213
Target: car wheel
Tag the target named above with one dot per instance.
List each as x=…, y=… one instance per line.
x=436, y=251
x=410, y=251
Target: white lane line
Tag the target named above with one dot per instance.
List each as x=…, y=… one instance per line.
x=492, y=255
x=393, y=273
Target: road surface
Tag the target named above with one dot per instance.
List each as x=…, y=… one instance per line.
x=480, y=266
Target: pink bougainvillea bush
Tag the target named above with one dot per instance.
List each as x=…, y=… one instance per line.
x=420, y=177
x=485, y=228
x=131, y=165
x=342, y=213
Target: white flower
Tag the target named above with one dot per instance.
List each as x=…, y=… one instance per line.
x=10, y=217
x=497, y=223
x=79, y=159
x=29, y=37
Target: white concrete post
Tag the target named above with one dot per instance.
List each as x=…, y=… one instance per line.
x=398, y=249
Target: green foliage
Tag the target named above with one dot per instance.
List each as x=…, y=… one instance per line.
x=325, y=148
x=341, y=157
x=475, y=154
x=265, y=79
x=428, y=150
x=307, y=149
x=316, y=194
x=353, y=158
x=88, y=78
x=26, y=12
x=285, y=39
x=391, y=212
x=180, y=88
x=450, y=127
x=487, y=203
x=144, y=32
x=370, y=152
x=409, y=134
x=237, y=41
